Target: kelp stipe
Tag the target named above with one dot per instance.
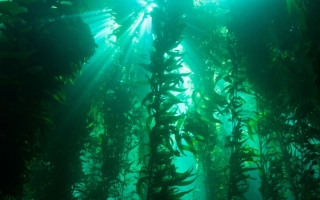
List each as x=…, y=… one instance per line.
x=158, y=177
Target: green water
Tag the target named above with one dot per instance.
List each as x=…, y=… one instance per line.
x=159, y=100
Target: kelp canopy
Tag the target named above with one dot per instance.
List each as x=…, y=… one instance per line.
x=159, y=99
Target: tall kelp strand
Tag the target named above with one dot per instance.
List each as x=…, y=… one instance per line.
x=159, y=178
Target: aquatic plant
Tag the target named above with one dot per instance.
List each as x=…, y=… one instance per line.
x=159, y=178
x=112, y=140
x=208, y=108
x=251, y=123
x=33, y=76
x=286, y=103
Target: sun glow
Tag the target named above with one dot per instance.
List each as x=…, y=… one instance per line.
x=150, y=7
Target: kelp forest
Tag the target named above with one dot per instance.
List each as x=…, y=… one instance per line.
x=159, y=99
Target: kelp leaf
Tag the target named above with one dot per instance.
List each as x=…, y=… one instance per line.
x=179, y=178
x=186, y=174
x=180, y=121
x=172, y=97
x=167, y=119
x=251, y=126
x=46, y=119
x=183, y=147
x=8, y=18
x=180, y=194
x=185, y=183
x=139, y=185
x=174, y=53
x=188, y=148
x=178, y=139
x=169, y=142
x=189, y=140
x=148, y=123
x=172, y=88
x=11, y=8
x=215, y=120
x=248, y=169
x=165, y=106
x=228, y=79
x=59, y=97
x=71, y=81
x=172, y=78
x=228, y=88
x=148, y=97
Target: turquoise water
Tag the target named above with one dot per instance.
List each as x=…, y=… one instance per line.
x=175, y=99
